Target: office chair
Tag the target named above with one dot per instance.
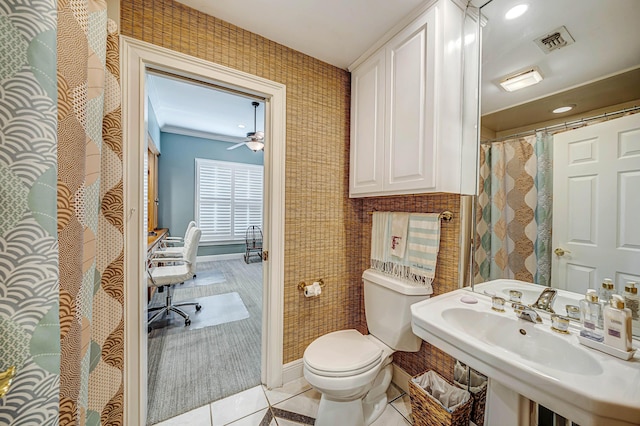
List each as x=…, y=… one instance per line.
x=174, y=246
x=171, y=241
x=178, y=271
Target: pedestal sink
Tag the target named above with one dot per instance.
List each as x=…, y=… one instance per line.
x=531, y=361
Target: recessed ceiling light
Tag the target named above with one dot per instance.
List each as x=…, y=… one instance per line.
x=241, y=126
x=521, y=80
x=516, y=11
x=562, y=109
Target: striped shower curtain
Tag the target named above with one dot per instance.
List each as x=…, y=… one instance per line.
x=90, y=216
x=514, y=210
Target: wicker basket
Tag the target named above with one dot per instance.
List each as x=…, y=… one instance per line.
x=428, y=411
x=478, y=390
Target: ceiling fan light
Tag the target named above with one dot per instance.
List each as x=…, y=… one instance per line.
x=255, y=146
x=521, y=80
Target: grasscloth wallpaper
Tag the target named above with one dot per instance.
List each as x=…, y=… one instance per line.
x=326, y=233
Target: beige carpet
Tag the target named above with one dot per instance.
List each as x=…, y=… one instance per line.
x=190, y=367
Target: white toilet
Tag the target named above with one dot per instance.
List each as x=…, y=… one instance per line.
x=353, y=371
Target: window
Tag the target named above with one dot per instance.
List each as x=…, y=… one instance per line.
x=228, y=199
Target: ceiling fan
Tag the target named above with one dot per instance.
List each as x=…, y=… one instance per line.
x=255, y=140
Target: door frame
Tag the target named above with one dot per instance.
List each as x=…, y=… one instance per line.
x=136, y=57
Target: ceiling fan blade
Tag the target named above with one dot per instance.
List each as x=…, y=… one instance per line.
x=238, y=145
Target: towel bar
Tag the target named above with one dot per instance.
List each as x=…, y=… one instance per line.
x=445, y=215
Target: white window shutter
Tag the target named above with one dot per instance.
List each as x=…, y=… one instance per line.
x=228, y=199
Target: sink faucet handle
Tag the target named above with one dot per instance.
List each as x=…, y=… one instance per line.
x=526, y=313
x=545, y=300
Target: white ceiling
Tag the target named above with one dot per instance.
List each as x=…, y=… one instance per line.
x=607, y=41
x=606, y=33
x=334, y=31
x=183, y=106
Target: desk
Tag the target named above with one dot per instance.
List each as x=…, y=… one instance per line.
x=154, y=240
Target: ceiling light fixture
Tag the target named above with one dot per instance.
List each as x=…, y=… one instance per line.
x=521, y=80
x=255, y=139
x=516, y=11
x=562, y=109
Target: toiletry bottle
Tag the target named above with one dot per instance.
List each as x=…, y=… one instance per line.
x=606, y=291
x=631, y=300
x=617, y=324
x=590, y=316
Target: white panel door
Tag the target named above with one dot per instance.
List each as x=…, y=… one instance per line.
x=367, y=126
x=596, y=205
x=410, y=143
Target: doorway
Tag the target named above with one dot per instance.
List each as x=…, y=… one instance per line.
x=208, y=174
x=137, y=58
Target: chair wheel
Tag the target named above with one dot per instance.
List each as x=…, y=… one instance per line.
x=198, y=307
x=187, y=322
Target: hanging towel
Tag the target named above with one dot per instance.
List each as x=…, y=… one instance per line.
x=423, y=244
x=398, y=237
x=417, y=266
x=379, y=233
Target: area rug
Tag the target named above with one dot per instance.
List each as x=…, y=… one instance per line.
x=190, y=367
x=219, y=309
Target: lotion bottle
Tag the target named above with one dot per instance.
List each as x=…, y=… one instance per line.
x=617, y=324
x=590, y=316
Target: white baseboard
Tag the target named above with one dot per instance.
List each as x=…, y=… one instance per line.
x=292, y=371
x=401, y=378
x=214, y=257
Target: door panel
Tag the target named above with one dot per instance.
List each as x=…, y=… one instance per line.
x=596, y=197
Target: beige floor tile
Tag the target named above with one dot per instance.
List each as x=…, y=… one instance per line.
x=390, y=417
x=253, y=419
x=237, y=406
x=199, y=417
x=288, y=390
x=305, y=403
x=403, y=405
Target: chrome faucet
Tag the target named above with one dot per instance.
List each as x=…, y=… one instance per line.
x=526, y=313
x=545, y=300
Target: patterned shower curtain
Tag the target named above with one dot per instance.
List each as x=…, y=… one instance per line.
x=514, y=210
x=29, y=325
x=90, y=216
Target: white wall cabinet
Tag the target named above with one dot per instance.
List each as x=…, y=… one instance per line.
x=406, y=110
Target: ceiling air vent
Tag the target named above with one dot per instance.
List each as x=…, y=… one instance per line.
x=555, y=39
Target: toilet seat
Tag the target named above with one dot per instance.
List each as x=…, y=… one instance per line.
x=342, y=353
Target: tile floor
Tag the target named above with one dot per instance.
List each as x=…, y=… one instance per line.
x=296, y=403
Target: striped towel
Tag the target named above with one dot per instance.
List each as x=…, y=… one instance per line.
x=423, y=243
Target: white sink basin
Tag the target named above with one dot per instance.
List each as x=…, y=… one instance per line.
x=524, y=340
x=553, y=369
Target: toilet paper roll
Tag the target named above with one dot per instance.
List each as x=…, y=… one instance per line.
x=312, y=290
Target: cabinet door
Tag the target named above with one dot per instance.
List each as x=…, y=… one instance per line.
x=367, y=126
x=410, y=143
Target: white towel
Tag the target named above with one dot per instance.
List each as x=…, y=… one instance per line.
x=398, y=237
x=378, y=238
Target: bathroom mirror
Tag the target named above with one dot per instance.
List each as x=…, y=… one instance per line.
x=587, y=56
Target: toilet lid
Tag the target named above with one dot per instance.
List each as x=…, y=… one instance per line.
x=345, y=352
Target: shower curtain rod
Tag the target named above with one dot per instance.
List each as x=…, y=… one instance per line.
x=567, y=125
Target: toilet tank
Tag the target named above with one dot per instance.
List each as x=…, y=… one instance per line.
x=386, y=302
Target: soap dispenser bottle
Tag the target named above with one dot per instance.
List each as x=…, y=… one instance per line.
x=617, y=324
x=590, y=316
x=631, y=300
x=606, y=291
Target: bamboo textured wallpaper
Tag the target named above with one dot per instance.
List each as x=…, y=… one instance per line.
x=326, y=233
